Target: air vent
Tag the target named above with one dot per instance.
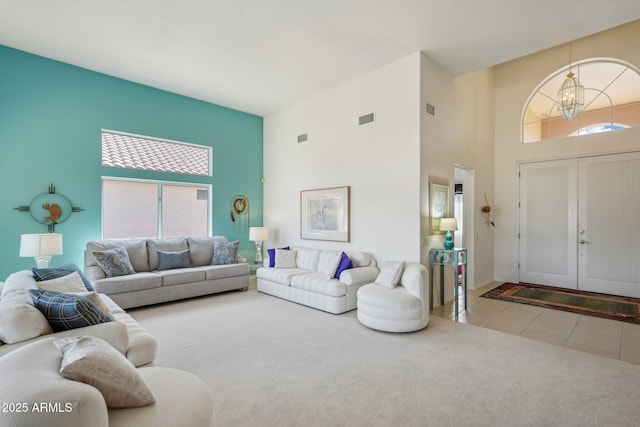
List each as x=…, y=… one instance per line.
x=431, y=110
x=303, y=138
x=367, y=118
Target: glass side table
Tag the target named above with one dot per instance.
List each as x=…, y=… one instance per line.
x=456, y=257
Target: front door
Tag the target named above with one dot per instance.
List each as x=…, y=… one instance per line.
x=609, y=224
x=580, y=224
x=548, y=215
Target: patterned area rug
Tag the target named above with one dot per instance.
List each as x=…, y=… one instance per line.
x=588, y=303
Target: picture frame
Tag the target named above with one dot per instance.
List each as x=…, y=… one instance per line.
x=325, y=214
x=438, y=206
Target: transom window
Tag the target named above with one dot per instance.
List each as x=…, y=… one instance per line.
x=611, y=101
x=123, y=150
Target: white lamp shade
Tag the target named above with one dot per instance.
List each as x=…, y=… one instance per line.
x=37, y=245
x=448, y=224
x=258, y=234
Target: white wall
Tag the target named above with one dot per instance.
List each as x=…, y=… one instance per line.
x=460, y=133
x=514, y=82
x=380, y=161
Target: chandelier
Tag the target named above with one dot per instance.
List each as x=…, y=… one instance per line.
x=570, y=95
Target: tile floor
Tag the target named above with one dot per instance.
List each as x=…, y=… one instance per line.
x=610, y=338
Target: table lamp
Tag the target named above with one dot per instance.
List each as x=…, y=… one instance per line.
x=448, y=225
x=41, y=246
x=258, y=235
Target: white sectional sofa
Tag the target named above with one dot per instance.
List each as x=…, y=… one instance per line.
x=36, y=394
x=28, y=324
x=311, y=284
x=150, y=286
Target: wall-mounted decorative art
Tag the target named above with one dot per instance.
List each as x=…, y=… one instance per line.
x=240, y=213
x=50, y=208
x=324, y=214
x=438, y=205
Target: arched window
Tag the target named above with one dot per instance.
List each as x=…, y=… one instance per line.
x=611, y=101
x=599, y=128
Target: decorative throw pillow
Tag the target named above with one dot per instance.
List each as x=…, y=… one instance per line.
x=345, y=264
x=93, y=361
x=69, y=283
x=171, y=260
x=390, y=274
x=67, y=311
x=328, y=263
x=272, y=255
x=44, y=274
x=285, y=258
x=202, y=249
x=95, y=298
x=114, y=262
x=224, y=253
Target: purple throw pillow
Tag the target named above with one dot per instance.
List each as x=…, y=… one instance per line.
x=272, y=255
x=345, y=264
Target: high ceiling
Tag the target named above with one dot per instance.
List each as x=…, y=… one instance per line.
x=261, y=55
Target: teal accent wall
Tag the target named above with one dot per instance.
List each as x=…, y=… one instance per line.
x=51, y=116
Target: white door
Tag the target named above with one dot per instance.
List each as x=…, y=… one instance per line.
x=580, y=224
x=609, y=224
x=548, y=215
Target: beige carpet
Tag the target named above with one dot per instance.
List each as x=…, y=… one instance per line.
x=270, y=362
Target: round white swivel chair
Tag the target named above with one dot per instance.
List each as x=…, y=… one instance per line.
x=403, y=308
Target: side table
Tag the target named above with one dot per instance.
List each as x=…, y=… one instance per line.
x=455, y=257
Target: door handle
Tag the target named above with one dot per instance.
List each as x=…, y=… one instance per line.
x=582, y=242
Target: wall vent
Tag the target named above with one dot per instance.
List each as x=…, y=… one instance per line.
x=303, y=138
x=431, y=110
x=367, y=118
x=202, y=195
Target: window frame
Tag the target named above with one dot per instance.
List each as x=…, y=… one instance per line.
x=159, y=183
x=562, y=71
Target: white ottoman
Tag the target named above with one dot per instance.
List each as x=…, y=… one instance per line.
x=404, y=308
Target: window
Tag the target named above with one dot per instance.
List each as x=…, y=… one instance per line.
x=611, y=101
x=599, y=128
x=154, y=209
x=134, y=208
x=123, y=150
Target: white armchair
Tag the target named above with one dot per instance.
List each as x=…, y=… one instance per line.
x=404, y=308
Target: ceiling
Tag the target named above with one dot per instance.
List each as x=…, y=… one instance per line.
x=261, y=55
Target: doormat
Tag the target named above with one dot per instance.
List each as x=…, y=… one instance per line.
x=588, y=303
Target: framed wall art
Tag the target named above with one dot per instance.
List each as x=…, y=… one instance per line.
x=438, y=205
x=324, y=214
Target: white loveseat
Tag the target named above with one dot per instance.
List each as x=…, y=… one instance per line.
x=308, y=284
x=150, y=286
x=29, y=324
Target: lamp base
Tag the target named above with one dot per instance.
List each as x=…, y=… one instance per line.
x=258, y=259
x=42, y=261
x=448, y=241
